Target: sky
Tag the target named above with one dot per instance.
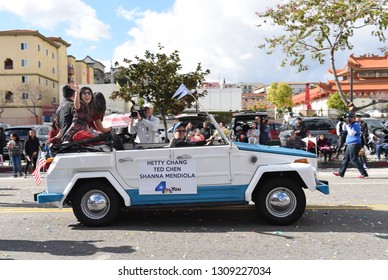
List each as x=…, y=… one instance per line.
x=222, y=35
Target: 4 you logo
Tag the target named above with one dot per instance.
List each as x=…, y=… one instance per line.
x=167, y=177
x=162, y=187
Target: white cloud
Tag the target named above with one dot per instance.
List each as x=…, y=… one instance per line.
x=79, y=18
x=129, y=15
x=223, y=36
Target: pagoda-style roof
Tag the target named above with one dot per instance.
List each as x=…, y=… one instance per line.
x=361, y=87
x=364, y=62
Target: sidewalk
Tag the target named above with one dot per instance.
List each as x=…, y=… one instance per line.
x=8, y=169
x=371, y=163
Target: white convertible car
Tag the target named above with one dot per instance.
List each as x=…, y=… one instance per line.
x=99, y=181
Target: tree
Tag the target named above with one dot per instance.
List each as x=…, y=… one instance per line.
x=280, y=95
x=31, y=95
x=335, y=102
x=322, y=28
x=2, y=101
x=259, y=105
x=155, y=79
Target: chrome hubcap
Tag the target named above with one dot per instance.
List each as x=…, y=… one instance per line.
x=281, y=202
x=95, y=204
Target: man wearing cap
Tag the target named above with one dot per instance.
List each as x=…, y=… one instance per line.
x=144, y=128
x=353, y=147
x=179, y=139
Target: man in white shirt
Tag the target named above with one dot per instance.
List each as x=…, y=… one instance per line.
x=341, y=132
x=144, y=128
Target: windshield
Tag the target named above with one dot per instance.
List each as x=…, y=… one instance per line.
x=372, y=124
x=20, y=132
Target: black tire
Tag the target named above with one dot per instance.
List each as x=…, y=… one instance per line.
x=280, y=201
x=96, y=203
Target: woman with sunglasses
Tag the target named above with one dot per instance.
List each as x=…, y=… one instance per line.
x=82, y=113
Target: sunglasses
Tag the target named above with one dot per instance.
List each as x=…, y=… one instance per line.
x=180, y=131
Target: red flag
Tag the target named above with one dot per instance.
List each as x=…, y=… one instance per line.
x=36, y=173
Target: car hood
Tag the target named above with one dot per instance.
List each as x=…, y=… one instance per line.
x=273, y=150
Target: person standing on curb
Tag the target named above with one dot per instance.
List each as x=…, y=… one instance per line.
x=3, y=141
x=15, y=147
x=353, y=147
x=31, y=151
x=145, y=127
x=341, y=132
x=299, y=128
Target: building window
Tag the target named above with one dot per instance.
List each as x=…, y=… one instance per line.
x=24, y=79
x=25, y=95
x=39, y=48
x=24, y=62
x=46, y=82
x=53, y=84
x=40, y=96
x=53, y=56
x=23, y=46
x=9, y=97
x=54, y=100
x=46, y=52
x=8, y=64
x=39, y=64
x=54, y=70
x=40, y=80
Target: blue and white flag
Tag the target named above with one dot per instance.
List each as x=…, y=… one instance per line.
x=181, y=91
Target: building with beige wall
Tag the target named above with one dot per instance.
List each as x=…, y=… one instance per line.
x=71, y=69
x=33, y=68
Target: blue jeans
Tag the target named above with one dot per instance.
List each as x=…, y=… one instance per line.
x=380, y=148
x=352, y=155
x=17, y=164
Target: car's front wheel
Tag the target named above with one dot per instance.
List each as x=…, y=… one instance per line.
x=96, y=203
x=280, y=201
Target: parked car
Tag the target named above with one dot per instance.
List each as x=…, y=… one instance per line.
x=274, y=130
x=246, y=118
x=376, y=128
x=4, y=125
x=42, y=132
x=99, y=184
x=314, y=125
x=376, y=114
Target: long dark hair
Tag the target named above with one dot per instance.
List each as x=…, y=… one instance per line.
x=29, y=136
x=16, y=136
x=99, y=105
x=55, y=125
x=91, y=103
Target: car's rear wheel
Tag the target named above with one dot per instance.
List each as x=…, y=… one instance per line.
x=280, y=201
x=96, y=203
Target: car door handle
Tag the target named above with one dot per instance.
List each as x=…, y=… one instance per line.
x=183, y=157
x=122, y=160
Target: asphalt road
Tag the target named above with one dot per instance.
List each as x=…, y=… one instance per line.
x=349, y=224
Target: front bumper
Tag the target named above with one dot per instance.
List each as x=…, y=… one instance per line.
x=44, y=197
x=323, y=186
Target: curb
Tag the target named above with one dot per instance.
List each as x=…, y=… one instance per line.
x=337, y=164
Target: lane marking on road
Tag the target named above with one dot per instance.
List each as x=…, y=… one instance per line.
x=33, y=210
x=374, y=207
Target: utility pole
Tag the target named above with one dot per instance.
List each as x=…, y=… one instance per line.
x=351, y=84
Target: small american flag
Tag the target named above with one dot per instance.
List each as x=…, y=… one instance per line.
x=36, y=173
